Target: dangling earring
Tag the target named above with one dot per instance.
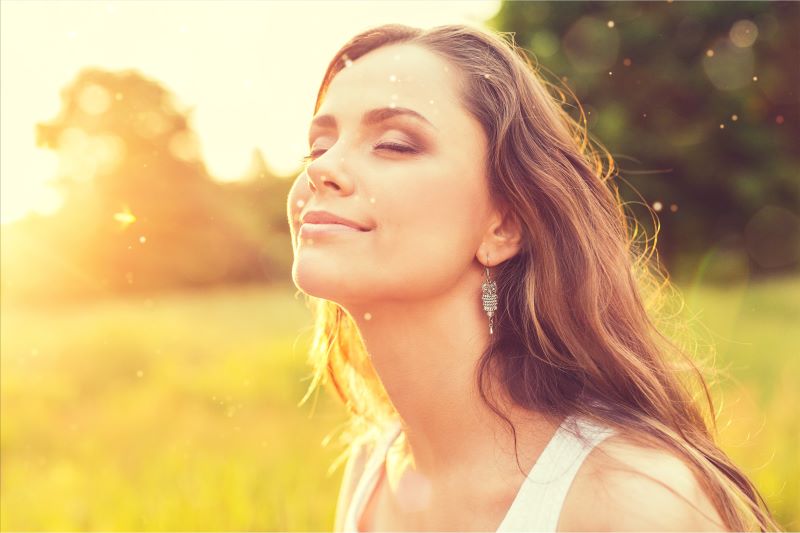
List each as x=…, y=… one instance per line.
x=489, y=288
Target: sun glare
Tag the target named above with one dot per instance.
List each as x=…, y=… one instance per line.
x=252, y=90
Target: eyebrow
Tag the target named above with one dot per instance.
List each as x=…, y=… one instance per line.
x=373, y=116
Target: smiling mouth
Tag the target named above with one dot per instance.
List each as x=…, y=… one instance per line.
x=328, y=228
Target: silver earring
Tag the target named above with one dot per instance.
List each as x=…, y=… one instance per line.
x=489, y=288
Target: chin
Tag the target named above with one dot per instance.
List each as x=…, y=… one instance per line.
x=319, y=281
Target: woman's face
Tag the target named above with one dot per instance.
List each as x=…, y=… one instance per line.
x=418, y=183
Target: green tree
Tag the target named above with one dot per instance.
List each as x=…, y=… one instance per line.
x=141, y=211
x=698, y=104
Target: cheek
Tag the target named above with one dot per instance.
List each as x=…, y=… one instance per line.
x=440, y=204
x=299, y=195
x=433, y=223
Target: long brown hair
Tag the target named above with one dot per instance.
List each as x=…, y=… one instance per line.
x=578, y=329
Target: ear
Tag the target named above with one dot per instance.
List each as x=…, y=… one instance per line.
x=502, y=239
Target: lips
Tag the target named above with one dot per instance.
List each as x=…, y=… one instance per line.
x=326, y=217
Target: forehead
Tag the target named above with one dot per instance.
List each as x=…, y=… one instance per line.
x=403, y=75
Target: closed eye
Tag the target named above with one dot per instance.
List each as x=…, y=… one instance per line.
x=394, y=147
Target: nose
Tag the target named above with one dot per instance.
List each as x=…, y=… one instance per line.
x=327, y=173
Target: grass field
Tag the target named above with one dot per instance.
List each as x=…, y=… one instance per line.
x=179, y=411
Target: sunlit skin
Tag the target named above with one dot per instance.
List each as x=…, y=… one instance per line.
x=412, y=283
x=417, y=273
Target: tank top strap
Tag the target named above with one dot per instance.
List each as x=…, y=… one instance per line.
x=369, y=478
x=538, y=503
x=540, y=499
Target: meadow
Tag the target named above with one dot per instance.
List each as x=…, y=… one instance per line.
x=179, y=411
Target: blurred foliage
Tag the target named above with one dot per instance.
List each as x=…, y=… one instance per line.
x=698, y=103
x=161, y=410
x=179, y=411
x=141, y=211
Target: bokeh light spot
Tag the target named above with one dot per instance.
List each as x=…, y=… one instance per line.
x=94, y=99
x=743, y=33
x=731, y=67
x=150, y=125
x=86, y=156
x=544, y=43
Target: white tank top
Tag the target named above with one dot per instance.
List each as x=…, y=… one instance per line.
x=538, y=503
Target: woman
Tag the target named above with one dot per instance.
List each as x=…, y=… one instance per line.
x=480, y=311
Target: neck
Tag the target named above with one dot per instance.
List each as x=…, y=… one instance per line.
x=426, y=353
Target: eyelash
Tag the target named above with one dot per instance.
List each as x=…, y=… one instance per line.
x=392, y=146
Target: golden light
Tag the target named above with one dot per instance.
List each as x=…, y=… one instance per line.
x=247, y=91
x=125, y=217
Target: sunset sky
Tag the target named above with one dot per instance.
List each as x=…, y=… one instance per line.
x=250, y=70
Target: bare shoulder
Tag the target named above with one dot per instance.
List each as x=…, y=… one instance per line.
x=625, y=486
